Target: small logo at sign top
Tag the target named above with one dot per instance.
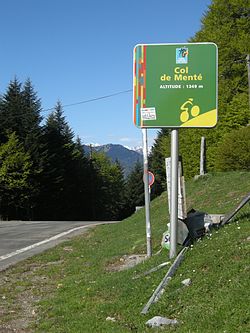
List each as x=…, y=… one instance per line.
x=182, y=55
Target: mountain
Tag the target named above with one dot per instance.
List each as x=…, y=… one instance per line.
x=126, y=157
x=137, y=149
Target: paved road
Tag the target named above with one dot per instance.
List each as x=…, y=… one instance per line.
x=22, y=239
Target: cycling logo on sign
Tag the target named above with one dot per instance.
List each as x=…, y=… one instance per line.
x=182, y=55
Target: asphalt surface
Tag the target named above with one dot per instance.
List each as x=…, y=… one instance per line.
x=22, y=239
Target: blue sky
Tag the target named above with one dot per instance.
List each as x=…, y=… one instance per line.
x=76, y=50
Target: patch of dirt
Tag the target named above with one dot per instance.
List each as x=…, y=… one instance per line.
x=68, y=249
x=231, y=194
x=20, y=314
x=8, y=329
x=20, y=292
x=125, y=262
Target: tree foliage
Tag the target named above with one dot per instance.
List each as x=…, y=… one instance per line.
x=233, y=153
x=15, y=171
x=20, y=113
x=107, y=188
x=135, y=188
x=226, y=23
x=44, y=173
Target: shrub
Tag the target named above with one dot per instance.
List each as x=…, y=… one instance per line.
x=233, y=152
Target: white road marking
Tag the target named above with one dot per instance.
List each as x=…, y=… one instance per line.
x=30, y=247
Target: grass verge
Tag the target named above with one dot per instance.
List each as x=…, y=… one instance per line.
x=76, y=286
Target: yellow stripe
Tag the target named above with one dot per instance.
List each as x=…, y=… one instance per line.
x=142, y=97
x=208, y=119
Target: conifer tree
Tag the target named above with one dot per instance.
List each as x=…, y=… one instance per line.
x=58, y=144
x=107, y=188
x=20, y=113
x=80, y=187
x=159, y=151
x=11, y=111
x=65, y=193
x=135, y=188
x=32, y=118
x=15, y=185
x=32, y=138
x=118, y=192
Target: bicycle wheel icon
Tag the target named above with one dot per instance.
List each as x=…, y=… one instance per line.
x=185, y=114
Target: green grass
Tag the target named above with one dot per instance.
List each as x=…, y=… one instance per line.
x=71, y=288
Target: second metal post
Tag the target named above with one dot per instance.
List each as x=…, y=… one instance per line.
x=146, y=190
x=174, y=192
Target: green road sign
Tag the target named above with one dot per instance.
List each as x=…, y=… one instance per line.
x=175, y=85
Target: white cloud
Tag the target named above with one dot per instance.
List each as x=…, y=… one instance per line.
x=126, y=139
x=93, y=144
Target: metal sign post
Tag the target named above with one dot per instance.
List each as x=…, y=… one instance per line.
x=203, y=156
x=146, y=190
x=182, y=207
x=174, y=192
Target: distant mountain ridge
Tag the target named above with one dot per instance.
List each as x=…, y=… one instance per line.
x=126, y=157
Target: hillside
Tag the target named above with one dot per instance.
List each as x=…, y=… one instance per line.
x=126, y=157
x=78, y=285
